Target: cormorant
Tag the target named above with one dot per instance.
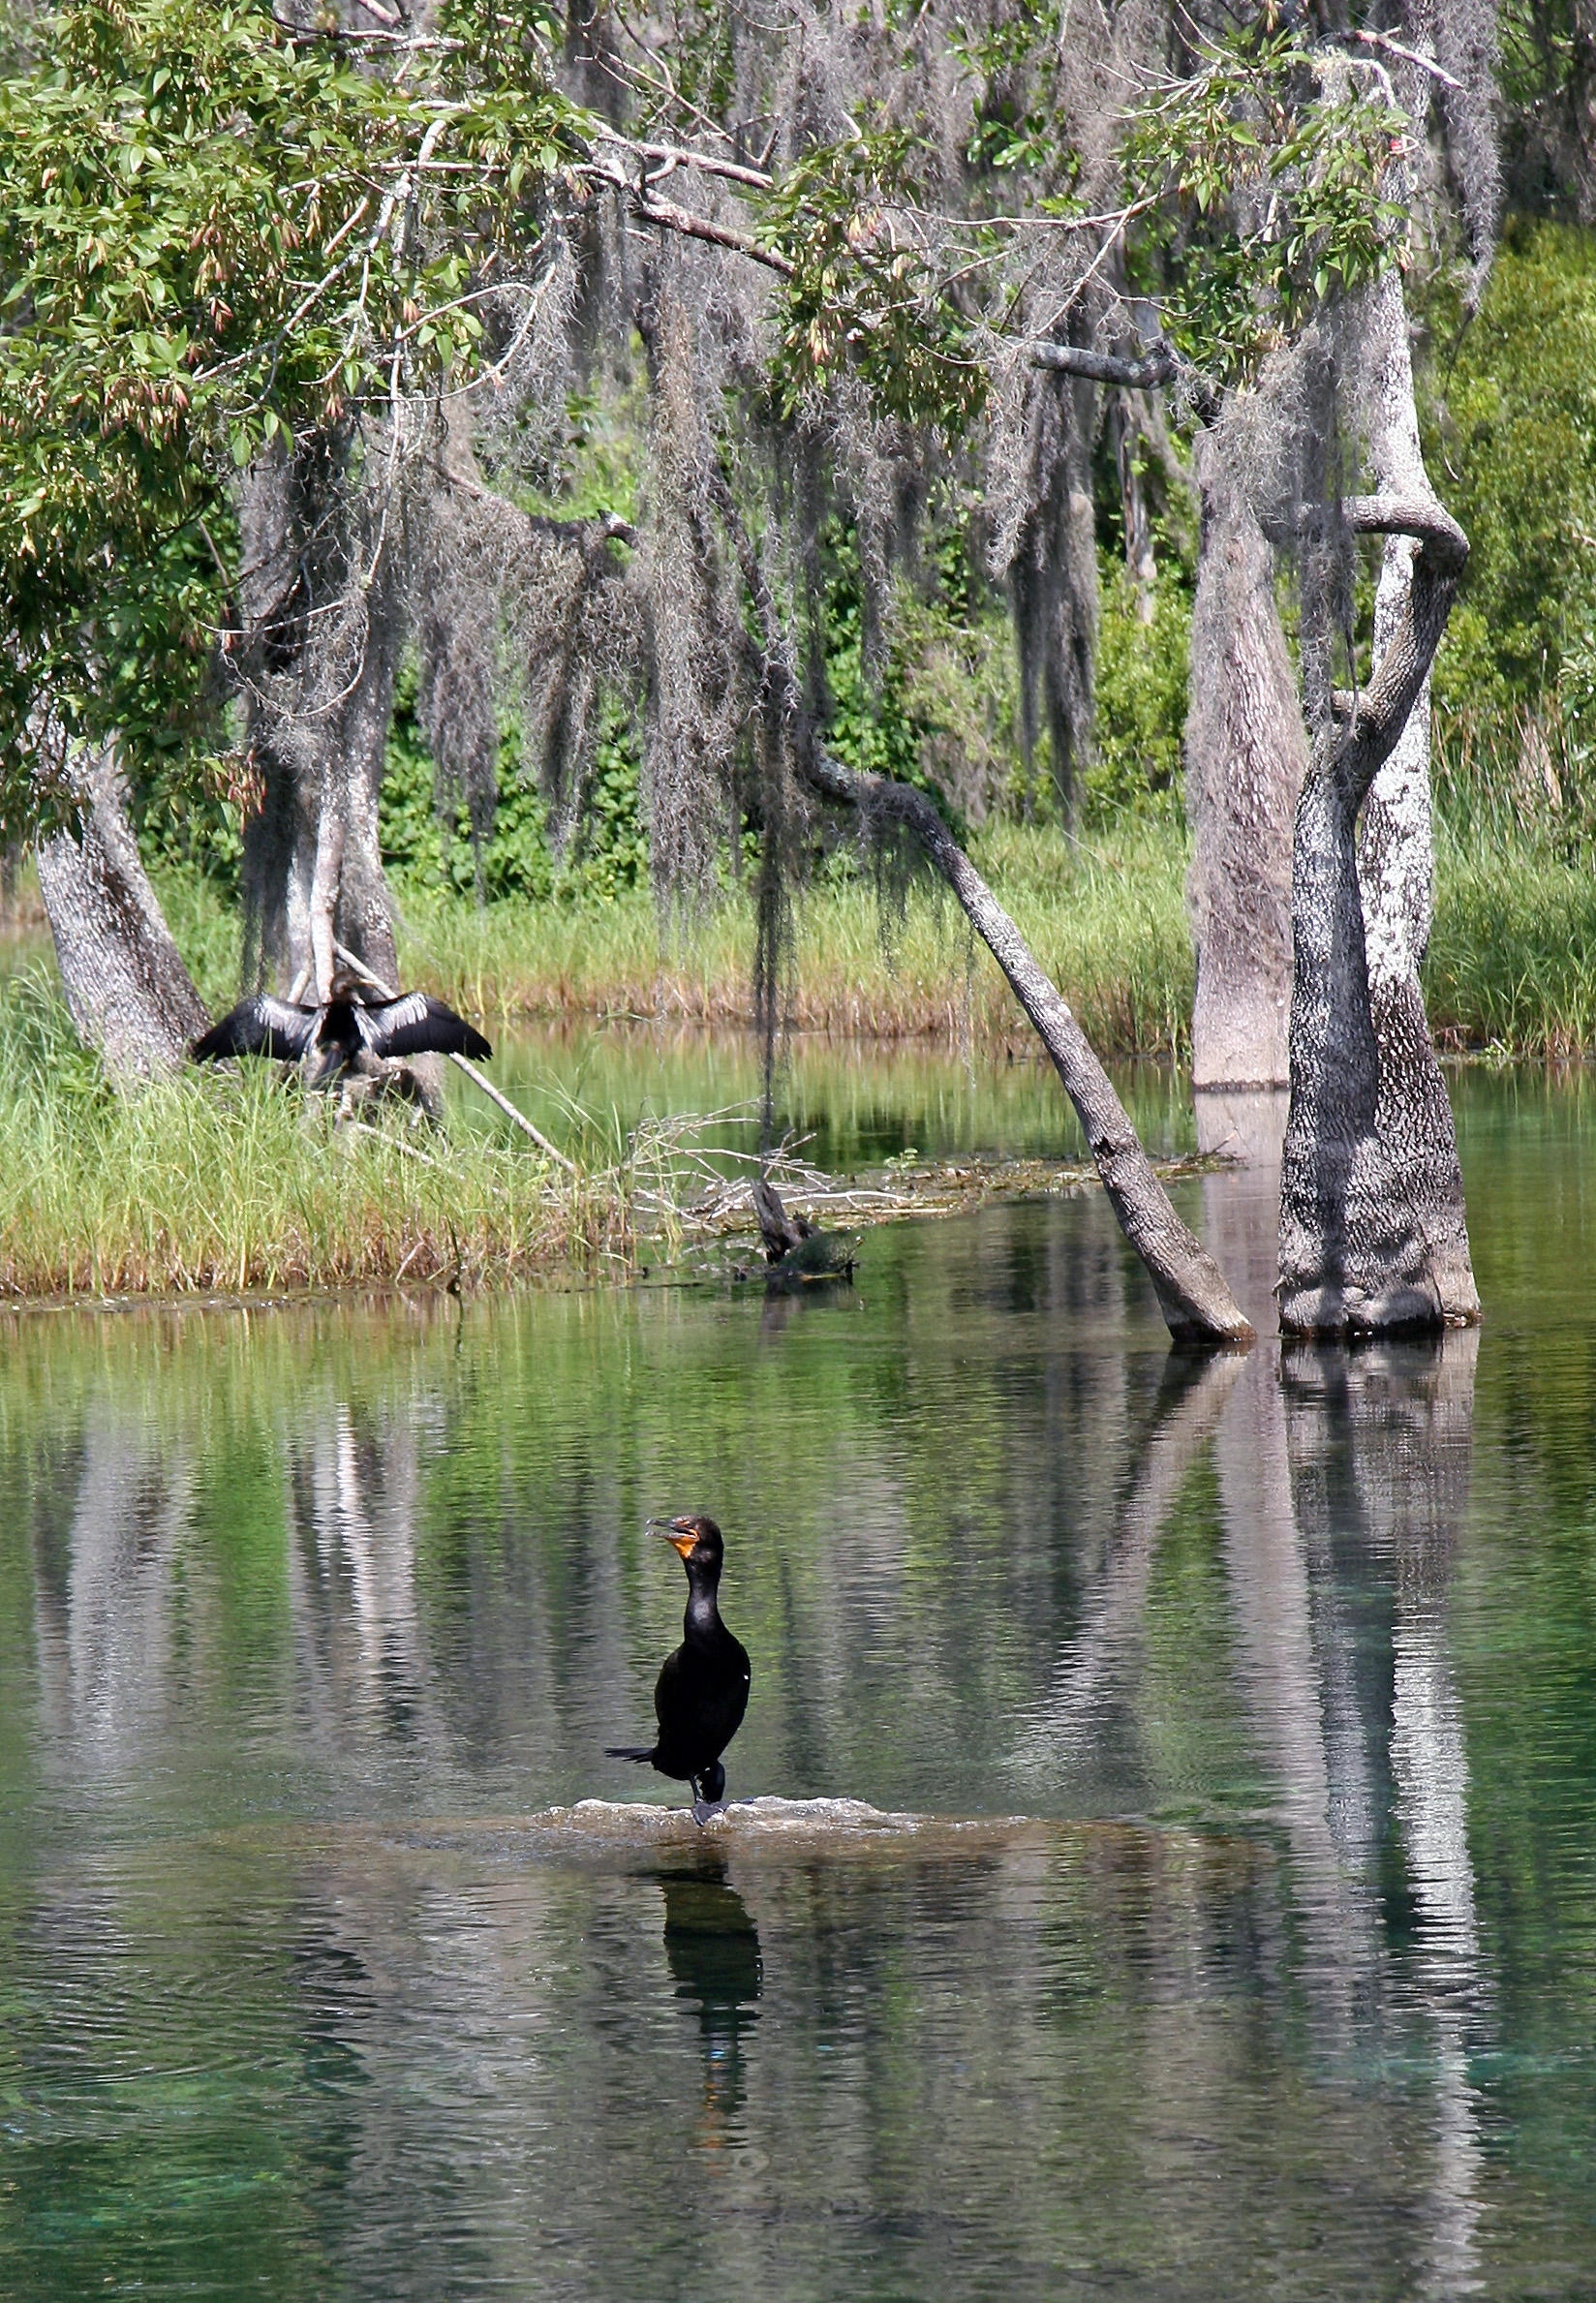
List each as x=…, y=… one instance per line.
x=702, y=1689
x=340, y=1030
x=796, y=1249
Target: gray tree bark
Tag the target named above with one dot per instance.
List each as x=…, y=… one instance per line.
x=1246, y=755
x=1356, y=1248
x=1126, y=426
x=1053, y=583
x=322, y=617
x=1395, y=848
x=129, y=992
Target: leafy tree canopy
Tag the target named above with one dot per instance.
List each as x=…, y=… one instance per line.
x=214, y=230
x=217, y=228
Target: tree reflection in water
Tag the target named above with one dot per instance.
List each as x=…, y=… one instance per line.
x=280, y=1607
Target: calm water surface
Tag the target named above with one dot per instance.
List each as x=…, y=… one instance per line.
x=1285, y=1987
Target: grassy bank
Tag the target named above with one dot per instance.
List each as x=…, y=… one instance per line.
x=226, y=1186
x=1511, y=966
x=1106, y=915
x=1512, y=963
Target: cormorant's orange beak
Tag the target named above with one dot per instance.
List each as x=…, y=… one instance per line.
x=680, y=1534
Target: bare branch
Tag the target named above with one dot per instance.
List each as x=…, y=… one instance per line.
x=1422, y=517
x=385, y=990
x=671, y=218
x=1395, y=47
x=1161, y=365
x=1379, y=715
x=677, y=155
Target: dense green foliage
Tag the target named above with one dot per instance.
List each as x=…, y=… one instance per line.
x=427, y=847
x=197, y=252
x=1512, y=424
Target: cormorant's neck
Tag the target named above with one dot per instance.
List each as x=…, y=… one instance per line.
x=702, y=1615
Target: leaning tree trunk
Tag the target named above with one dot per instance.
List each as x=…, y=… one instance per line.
x=1198, y=1307
x=1247, y=755
x=1356, y=1249
x=127, y=987
x=1395, y=849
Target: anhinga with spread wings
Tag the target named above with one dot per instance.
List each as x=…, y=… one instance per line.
x=339, y=1031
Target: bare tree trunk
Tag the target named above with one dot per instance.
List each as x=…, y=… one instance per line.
x=1247, y=755
x=1356, y=1250
x=1396, y=848
x=323, y=620
x=353, y=787
x=127, y=987
x=1126, y=421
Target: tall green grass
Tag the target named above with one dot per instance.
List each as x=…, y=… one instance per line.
x=1512, y=963
x=231, y=1185
x=1106, y=917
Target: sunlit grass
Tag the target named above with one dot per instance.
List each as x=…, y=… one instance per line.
x=1106, y=918
x=1511, y=962
x=234, y=1184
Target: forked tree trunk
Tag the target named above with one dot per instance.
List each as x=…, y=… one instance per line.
x=127, y=987
x=315, y=855
x=1247, y=755
x=1356, y=1249
x=313, y=620
x=1395, y=848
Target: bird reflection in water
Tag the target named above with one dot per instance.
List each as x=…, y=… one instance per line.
x=712, y=1948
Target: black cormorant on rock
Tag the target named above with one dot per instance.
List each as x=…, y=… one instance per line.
x=339, y=1034
x=702, y=1689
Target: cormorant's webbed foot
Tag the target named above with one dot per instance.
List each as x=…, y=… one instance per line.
x=709, y=1794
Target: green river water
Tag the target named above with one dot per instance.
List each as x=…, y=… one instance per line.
x=1249, y=1947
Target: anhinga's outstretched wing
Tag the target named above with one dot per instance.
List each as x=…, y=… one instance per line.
x=259, y=1026
x=417, y=1026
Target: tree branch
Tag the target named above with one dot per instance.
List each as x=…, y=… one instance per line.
x=679, y=155
x=1197, y=1305
x=671, y=218
x=1395, y=47
x=1381, y=712
x=1158, y=367
x=1422, y=517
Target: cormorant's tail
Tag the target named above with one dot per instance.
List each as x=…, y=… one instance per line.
x=642, y=1753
